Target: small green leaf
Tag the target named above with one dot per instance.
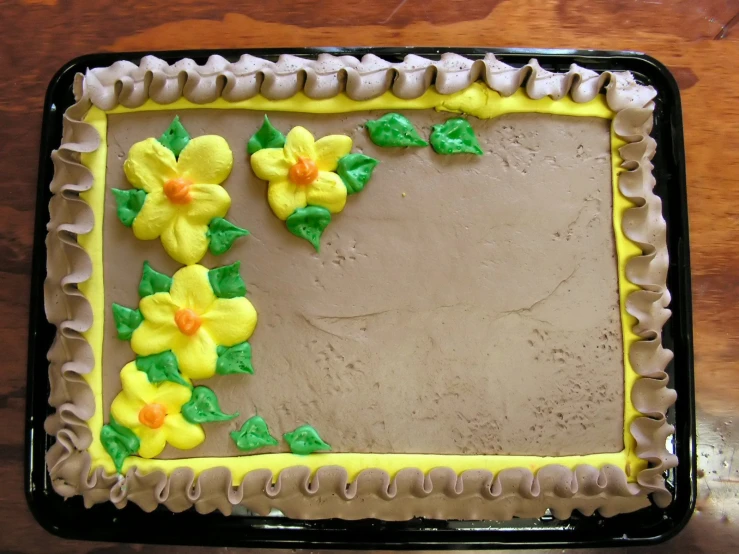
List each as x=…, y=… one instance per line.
x=355, y=170
x=305, y=440
x=236, y=359
x=128, y=204
x=455, y=136
x=126, y=320
x=161, y=367
x=226, y=281
x=222, y=235
x=266, y=137
x=152, y=282
x=175, y=137
x=309, y=223
x=393, y=130
x=119, y=442
x=253, y=434
x=203, y=407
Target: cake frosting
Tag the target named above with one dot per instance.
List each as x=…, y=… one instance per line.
x=313, y=491
x=371, y=277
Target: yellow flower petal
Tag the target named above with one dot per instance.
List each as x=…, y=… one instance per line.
x=270, y=164
x=197, y=356
x=191, y=289
x=136, y=384
x=230, y=321
x=158, y=308
x=206, y=160
x=299, y=143
x=185, y=242
x=149, y=165
x=152, y=338
x=330, y=149
x=181, y=433
x=158, y=212
x=208, y=201
x=285, y=197
x=125, y=409
x=172, y=396
x=153, y=441
x=327, y=191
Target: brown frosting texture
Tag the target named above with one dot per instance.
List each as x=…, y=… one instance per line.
x=130, y=85
x=442, y=493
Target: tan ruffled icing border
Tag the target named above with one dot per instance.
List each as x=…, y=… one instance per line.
x=442, y=493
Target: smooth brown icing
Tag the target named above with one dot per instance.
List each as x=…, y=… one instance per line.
x=513, y=492
x=511, y=344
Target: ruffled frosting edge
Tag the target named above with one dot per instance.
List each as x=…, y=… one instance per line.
x=442, y=493
x=127, y=84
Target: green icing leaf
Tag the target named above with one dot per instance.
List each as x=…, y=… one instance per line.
x=309, y=223
x=152, y=282
x=266, y=137
x=128, y=203
x=305, y=440
x=226, y=281
x=126, y=320
x=355, y=170
x=175, y=137
x=236, y=359
x=119, y=442
x=161, y=367
x=455, y=136
x=222, y=235
x=203, y=407
x=253, y=434
x=394, y=129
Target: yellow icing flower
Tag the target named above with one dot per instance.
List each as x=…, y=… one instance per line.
x=192, y=322
x=152, y=412
x=183, y=195
x=301, y=173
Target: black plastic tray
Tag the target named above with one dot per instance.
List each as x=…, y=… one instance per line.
x=70, y=519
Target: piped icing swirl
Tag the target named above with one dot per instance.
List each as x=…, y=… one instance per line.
x=130, y=85
x=329, y=493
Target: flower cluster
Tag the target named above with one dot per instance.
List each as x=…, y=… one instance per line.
x=196, y=324
x=187, y=327
x=192, y=325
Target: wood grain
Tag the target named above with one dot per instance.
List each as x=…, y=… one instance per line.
x=697, y=39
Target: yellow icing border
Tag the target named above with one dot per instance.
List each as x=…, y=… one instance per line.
x=93, y=289
x=477, y=100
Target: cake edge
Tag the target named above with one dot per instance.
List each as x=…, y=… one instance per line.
x=295, y=492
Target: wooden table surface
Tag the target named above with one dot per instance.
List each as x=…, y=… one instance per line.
x=696, y=39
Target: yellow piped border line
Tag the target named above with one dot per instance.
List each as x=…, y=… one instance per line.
x=93, y=288
x=476, y=100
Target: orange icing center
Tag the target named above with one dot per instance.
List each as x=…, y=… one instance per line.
x=152, y=415
x=187, y=321
x=178, y=190
x=304, y=172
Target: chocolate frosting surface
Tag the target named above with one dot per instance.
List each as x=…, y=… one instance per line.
x=441, y=493
x=511, y=342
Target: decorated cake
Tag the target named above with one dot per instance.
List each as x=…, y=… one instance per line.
x=331, y=287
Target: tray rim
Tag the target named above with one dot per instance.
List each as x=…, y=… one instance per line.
x=37, y=499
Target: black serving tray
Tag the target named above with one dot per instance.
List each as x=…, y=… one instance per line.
x=70, y=519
